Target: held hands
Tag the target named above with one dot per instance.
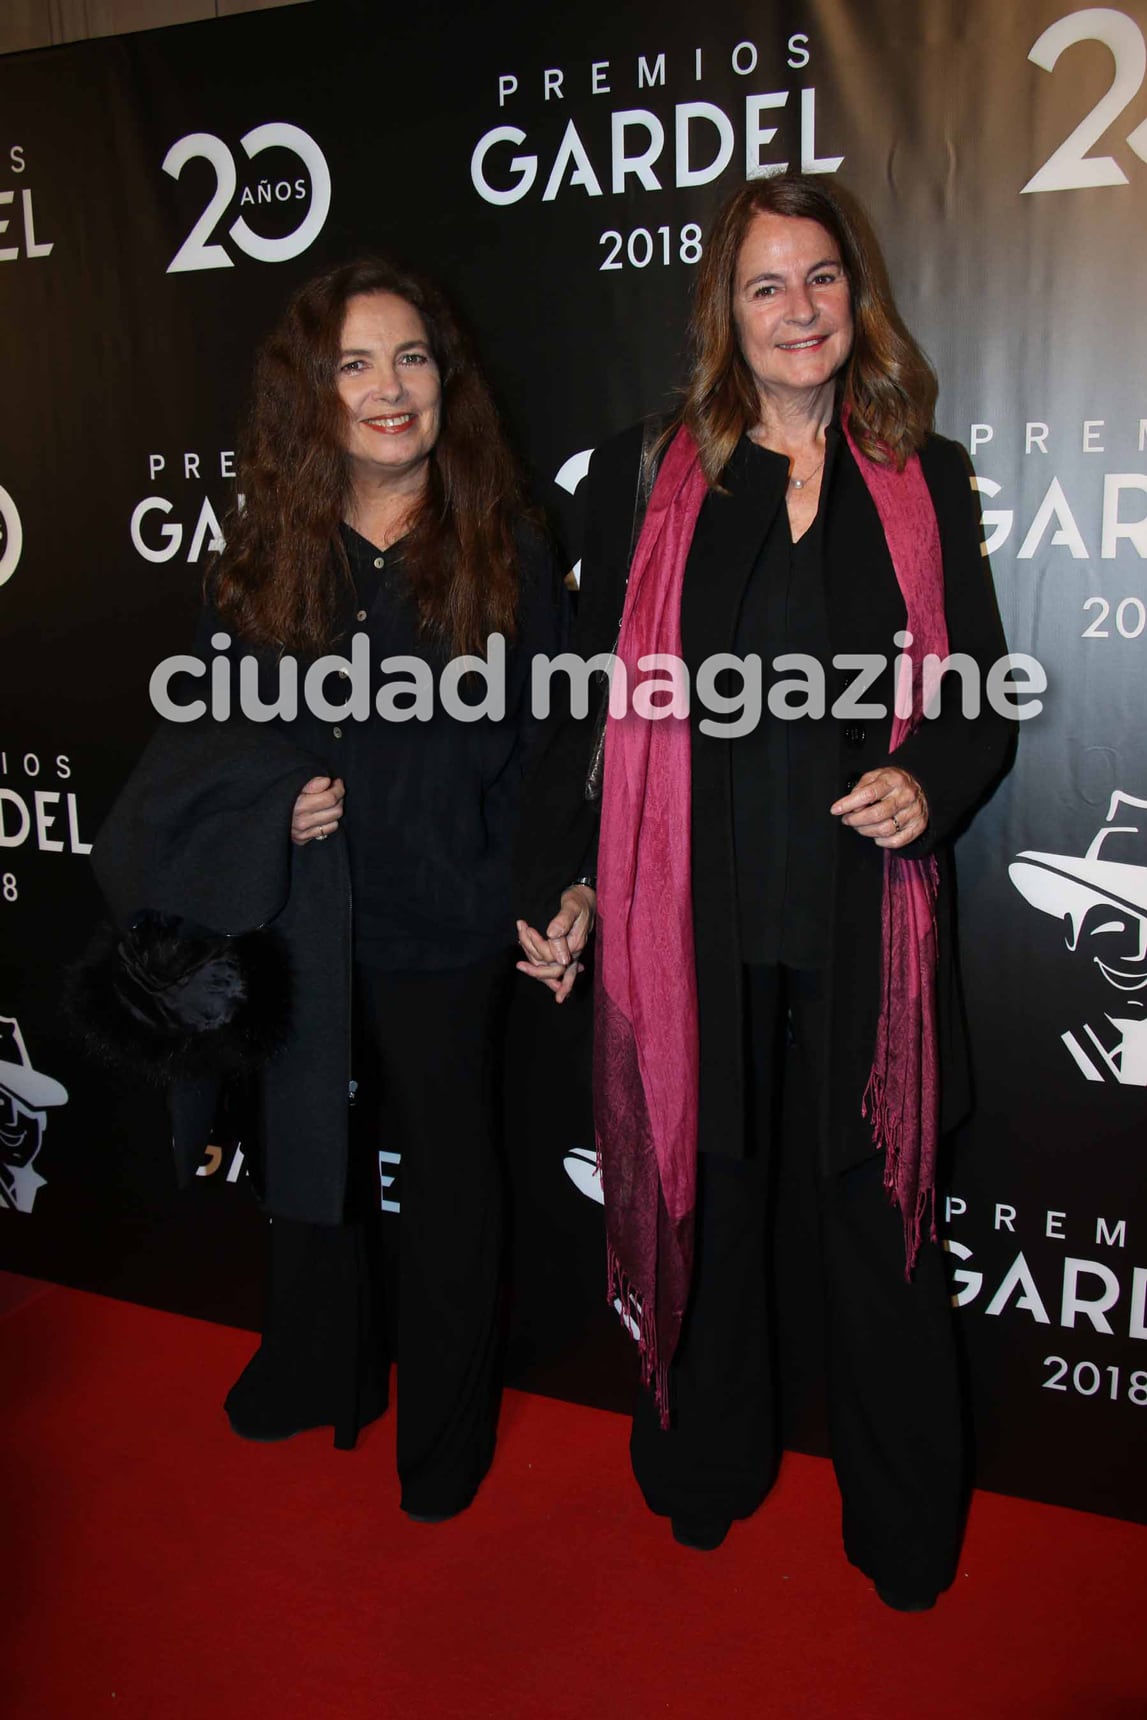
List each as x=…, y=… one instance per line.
x=554, y=958
x=887, y=805
x=317, y=811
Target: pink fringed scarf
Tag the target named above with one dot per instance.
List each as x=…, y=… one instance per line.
x=902, y=1098
x=645, y=1048
x=645, y=1039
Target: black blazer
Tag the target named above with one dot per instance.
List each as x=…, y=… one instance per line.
x=955, y=759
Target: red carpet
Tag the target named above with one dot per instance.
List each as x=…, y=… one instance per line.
x=156, y=1568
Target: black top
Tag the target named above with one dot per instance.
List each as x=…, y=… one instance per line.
x=784, y=770
x=955, y=758
x=431, y=806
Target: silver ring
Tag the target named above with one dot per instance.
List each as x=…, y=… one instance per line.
x=896, y=821
x=320, y=835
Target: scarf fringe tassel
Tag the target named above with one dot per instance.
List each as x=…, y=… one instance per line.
x=886, y=1138
x=630, y=1309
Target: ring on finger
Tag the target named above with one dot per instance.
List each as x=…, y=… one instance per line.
x=896, y=821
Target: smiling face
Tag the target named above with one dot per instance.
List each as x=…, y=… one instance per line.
x=21, y=1130
x=791, y=307
x=1116, y=940
x=389, y=384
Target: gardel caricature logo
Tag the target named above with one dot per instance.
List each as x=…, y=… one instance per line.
x=25, y=1098
x=582, y=1168
x=1101, y=896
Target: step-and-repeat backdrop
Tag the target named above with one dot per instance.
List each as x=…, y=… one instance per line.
x=160, y=195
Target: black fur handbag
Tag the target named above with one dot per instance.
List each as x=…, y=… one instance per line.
x=168, y=999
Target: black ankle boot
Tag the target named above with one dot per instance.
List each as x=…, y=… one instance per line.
x=703, y=1537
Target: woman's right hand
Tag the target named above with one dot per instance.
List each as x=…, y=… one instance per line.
x=554, y=958
x=317, y=811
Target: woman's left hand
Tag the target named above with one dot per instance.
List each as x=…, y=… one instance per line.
x=887, y=805
x=554, y=958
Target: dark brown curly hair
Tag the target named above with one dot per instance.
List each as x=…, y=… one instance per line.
x=280, y=578
x=888, y=384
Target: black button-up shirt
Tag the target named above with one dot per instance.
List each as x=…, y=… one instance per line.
x=431, y=807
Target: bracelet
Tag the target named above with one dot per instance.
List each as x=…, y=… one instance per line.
x=589, y=879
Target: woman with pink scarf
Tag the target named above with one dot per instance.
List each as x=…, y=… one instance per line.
x=778, y=1038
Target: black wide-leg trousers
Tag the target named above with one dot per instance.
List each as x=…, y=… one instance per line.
x=433, y=1044
x=894, y=1395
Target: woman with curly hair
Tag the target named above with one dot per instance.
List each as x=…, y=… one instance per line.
x=380, y=501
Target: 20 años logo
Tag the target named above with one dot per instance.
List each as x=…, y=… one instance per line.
x=1071, y=167
x=197, y=250
x=11, y=536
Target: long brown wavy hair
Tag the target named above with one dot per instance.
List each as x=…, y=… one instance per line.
x=280, y=579
x=887, y=383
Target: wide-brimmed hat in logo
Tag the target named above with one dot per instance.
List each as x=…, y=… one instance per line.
x=1112, y=872
x=33, y=1089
